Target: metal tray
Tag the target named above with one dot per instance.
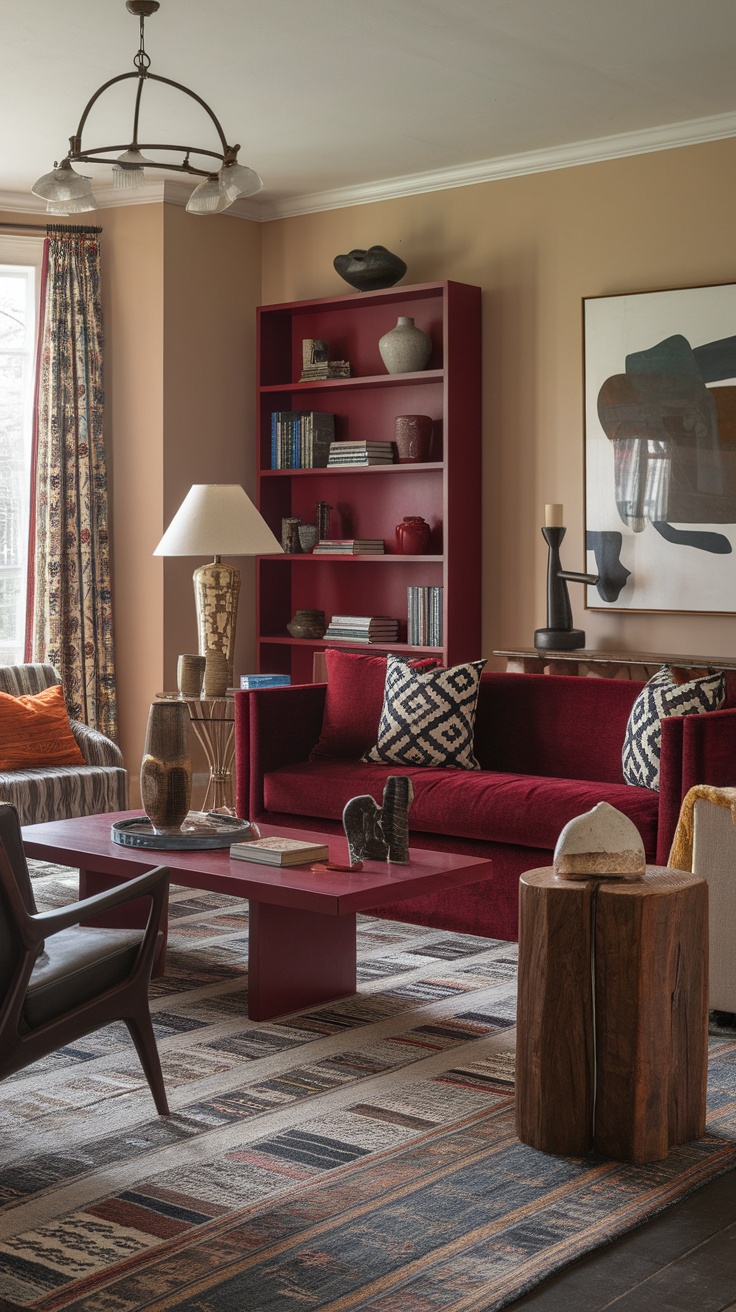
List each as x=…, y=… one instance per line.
x=201, y=829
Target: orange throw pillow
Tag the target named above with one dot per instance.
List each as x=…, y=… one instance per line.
x=35, y=731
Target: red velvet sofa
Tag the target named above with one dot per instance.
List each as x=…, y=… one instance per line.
x=549, y=748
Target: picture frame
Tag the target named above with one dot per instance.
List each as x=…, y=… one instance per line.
x=660, y=450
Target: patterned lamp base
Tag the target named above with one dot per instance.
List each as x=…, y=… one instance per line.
x=216, y=592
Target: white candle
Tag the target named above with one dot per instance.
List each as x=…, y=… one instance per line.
x=553, y=513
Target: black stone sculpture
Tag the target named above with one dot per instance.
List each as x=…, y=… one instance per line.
x=370, y=270
x=380, y=833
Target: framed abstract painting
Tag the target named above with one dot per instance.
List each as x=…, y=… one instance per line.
x=660, y=450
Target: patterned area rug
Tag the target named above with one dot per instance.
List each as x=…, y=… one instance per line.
x=359, y=1156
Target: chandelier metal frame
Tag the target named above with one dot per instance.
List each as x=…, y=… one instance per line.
x=222, y=183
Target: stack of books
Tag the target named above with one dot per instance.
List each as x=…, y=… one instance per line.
x=322, y=369
x=361, y=453
x=363, y=628
x=424, y=617
x=301, y=439
x=280, y=851
x=349, y=547
x=249, y=681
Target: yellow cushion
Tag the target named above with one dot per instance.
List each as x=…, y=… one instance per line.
x=35, y=731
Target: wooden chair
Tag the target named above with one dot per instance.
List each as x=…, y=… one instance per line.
x=61, y=979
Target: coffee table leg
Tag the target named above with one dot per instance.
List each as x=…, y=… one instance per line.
x=297, y=959
x=132, y=916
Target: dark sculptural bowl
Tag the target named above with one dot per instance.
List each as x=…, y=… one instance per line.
x=370, y=270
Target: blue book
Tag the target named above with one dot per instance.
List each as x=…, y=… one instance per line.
x=249, y=681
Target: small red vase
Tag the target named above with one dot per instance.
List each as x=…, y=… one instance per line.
x=412, y=535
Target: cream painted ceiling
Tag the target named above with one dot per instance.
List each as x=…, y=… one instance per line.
x=335, y=101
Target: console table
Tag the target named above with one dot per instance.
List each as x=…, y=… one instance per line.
x=605, y=664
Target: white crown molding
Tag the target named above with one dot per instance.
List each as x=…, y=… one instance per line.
x=594, y=151
x=176, y=191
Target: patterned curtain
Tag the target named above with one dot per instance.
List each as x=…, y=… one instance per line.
x=71, y=586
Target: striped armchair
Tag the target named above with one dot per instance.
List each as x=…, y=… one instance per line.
x=60, y=791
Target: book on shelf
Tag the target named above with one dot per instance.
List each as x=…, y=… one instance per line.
x=249, y=681
x=349, y=547
x=323, y=369
x=424, y=616
x=280, y=851
x=301, y=439
x=363, y=628
x=361, y=453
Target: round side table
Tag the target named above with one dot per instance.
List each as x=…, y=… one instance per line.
x=612, y=1017
x=213, y=722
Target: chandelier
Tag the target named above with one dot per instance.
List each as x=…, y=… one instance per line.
x=68, y=192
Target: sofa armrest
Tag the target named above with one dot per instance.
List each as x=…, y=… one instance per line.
x=94, y=746
x=696, y=749
x=273, y=727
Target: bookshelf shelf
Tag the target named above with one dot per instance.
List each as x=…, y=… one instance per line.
x=340, y=471
x=351, y=384
x=444, y=490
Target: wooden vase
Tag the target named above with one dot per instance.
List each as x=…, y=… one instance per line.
x=166, y=768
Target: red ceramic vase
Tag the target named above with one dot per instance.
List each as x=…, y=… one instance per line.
x=412, y=535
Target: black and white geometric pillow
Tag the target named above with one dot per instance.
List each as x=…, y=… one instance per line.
x=663, y=696
x=428, y=716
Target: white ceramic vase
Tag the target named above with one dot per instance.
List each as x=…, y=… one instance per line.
x=405, y=349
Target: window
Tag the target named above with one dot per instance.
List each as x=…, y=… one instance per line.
x=20, y=266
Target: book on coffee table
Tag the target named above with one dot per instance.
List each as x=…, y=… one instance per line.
x=280, y=851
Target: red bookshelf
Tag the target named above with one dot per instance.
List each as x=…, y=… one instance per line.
x=369, y=502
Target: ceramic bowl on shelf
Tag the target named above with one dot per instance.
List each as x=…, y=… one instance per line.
x=307, y=624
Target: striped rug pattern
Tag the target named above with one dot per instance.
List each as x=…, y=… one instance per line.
x=358, y=1156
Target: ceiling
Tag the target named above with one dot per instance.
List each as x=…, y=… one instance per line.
x=338, y=101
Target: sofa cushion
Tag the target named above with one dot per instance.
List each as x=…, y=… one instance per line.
x=665, y=694
x=35, y=731
x=353, y=702
x=428, y=716
x=526, y=810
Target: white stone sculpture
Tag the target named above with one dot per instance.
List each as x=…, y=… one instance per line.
x=602, y=842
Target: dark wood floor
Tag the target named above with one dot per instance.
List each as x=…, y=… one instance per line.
x=683, y=1260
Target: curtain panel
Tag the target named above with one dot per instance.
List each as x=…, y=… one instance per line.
x=72, y=606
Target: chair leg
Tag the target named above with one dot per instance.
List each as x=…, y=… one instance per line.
x=141, y=1032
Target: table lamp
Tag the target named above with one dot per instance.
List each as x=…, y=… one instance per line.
x=217, y=519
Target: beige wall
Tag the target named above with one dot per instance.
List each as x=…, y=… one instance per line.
x=537, y=245
x=211, y=290
x=180, y=298
x=132, y=273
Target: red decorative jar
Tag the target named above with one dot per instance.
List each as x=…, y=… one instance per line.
x=412, y=535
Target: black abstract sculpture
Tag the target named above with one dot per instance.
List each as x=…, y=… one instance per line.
x=559, y=634
x=380, y=833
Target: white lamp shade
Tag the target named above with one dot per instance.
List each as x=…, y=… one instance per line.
x=217, y=519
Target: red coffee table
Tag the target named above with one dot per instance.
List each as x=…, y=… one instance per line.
x=301, y=941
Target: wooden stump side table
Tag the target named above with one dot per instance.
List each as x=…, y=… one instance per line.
x=612, y=1015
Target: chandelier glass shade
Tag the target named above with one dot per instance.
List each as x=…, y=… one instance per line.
x=220, y=183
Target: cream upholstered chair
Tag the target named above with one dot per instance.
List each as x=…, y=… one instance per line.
x=714, y=857
x=57, y=792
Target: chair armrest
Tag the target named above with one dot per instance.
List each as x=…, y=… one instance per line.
x=52, y=922
x=94, y=746
x=696, y=749
x=709, y=749
x=273, y=727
